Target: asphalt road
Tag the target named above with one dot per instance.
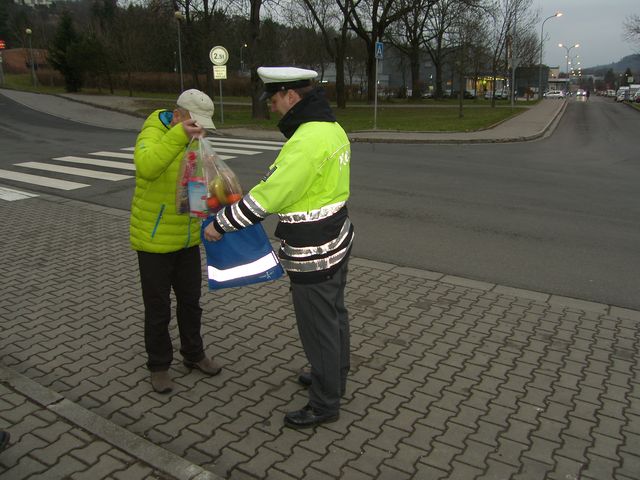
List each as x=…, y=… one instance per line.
x=558, y=215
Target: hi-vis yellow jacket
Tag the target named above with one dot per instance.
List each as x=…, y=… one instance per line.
x=155, y=227
x=308, y=187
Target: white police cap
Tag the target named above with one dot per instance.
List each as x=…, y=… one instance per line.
x=277, y=79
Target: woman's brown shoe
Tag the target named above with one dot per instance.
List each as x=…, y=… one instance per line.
x=206, y=365
x=161, y=382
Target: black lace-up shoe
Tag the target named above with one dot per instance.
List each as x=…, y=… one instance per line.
x=304, y=378
x=4, y=439
x=308, y=417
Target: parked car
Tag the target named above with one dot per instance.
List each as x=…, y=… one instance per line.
x=500, y=94
x=636, y=97
x=554, y=94
x=623, y=96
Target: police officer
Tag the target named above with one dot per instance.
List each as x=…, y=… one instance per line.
x=308, y=187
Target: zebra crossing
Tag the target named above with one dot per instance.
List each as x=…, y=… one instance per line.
x=76, y=172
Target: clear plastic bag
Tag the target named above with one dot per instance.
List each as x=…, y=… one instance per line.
x=205, y=182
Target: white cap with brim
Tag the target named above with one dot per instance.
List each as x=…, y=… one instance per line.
x=199, y=106
x=279, y=79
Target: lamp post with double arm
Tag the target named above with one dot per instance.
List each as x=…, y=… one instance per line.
x=568, y=49
x=557, y=14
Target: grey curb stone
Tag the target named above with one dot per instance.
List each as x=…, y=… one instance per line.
x=157, y=457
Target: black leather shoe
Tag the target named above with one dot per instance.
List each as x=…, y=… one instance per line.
x=4, y=439
x=305, y=377
x=308, y=417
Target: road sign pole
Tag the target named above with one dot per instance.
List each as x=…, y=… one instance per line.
x=221, y=105
x=379, y=49
x=375, y=100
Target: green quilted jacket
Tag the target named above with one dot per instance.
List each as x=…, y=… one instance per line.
x=155, y=226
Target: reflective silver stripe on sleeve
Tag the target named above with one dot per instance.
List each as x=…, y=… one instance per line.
x=239, y=216
x=224, y=222
x=255, y=208
x=290, y=251
x=313, y=215
x=314, y=265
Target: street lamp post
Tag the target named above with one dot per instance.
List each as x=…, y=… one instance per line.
x=244, y=45
x=568, y=49
x=179, y=17
x=557, y=14
x=34, y=80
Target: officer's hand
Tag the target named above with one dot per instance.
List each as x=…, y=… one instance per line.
x=211, y=234
x=192, y=129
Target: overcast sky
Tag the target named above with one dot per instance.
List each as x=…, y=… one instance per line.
x=597, y=25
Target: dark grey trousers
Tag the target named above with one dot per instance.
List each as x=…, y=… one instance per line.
x=323, y=324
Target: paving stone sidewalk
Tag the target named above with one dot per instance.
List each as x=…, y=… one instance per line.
x=451, y=378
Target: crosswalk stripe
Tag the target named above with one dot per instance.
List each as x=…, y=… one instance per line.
x=42, y=181
x=129, y=149
x=239, y=152
x=241, y=145
x=113, y=154
x=97, y=162
x=10, y=195
x=242, y=140
x=81, y=172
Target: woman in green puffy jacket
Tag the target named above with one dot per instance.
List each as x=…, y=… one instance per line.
x=168, y=243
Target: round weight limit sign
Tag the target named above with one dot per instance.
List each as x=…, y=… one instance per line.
x=219, y=55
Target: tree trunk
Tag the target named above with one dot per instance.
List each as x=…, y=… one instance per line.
x=259, y=109
x=340, y=88
x=372, y=87
x=414, y=59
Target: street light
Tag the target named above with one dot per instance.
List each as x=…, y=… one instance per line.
x=557, y=14
x=568, y=49
x=34, y=80
x=179, y=17
x=244, y=45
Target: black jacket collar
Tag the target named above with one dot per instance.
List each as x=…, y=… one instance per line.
x=313, y=107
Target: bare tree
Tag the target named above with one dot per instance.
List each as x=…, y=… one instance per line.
x=440, y=24
x=407, y=35
x=632, y=29
x=333, y=26
x=369, y=19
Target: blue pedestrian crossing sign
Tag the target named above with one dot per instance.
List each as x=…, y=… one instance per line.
x=379, y=50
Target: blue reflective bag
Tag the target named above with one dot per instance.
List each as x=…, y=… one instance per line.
x=240, y=258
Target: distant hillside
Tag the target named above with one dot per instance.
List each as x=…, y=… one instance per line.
x=631, y=62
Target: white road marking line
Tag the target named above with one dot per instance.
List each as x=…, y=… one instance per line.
x=113, y=154
x=11, y=195
x=97, y=162
x=42, y=181
x=242, y=140
x=81, y=172
x=129, y=149
x=241, y=145
x=239, y=152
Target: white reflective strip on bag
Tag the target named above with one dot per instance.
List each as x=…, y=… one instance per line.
x=254, y=268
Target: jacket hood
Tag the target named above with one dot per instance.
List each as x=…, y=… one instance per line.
x=313, y=107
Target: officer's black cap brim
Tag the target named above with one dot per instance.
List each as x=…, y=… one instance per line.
x=270, y=89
